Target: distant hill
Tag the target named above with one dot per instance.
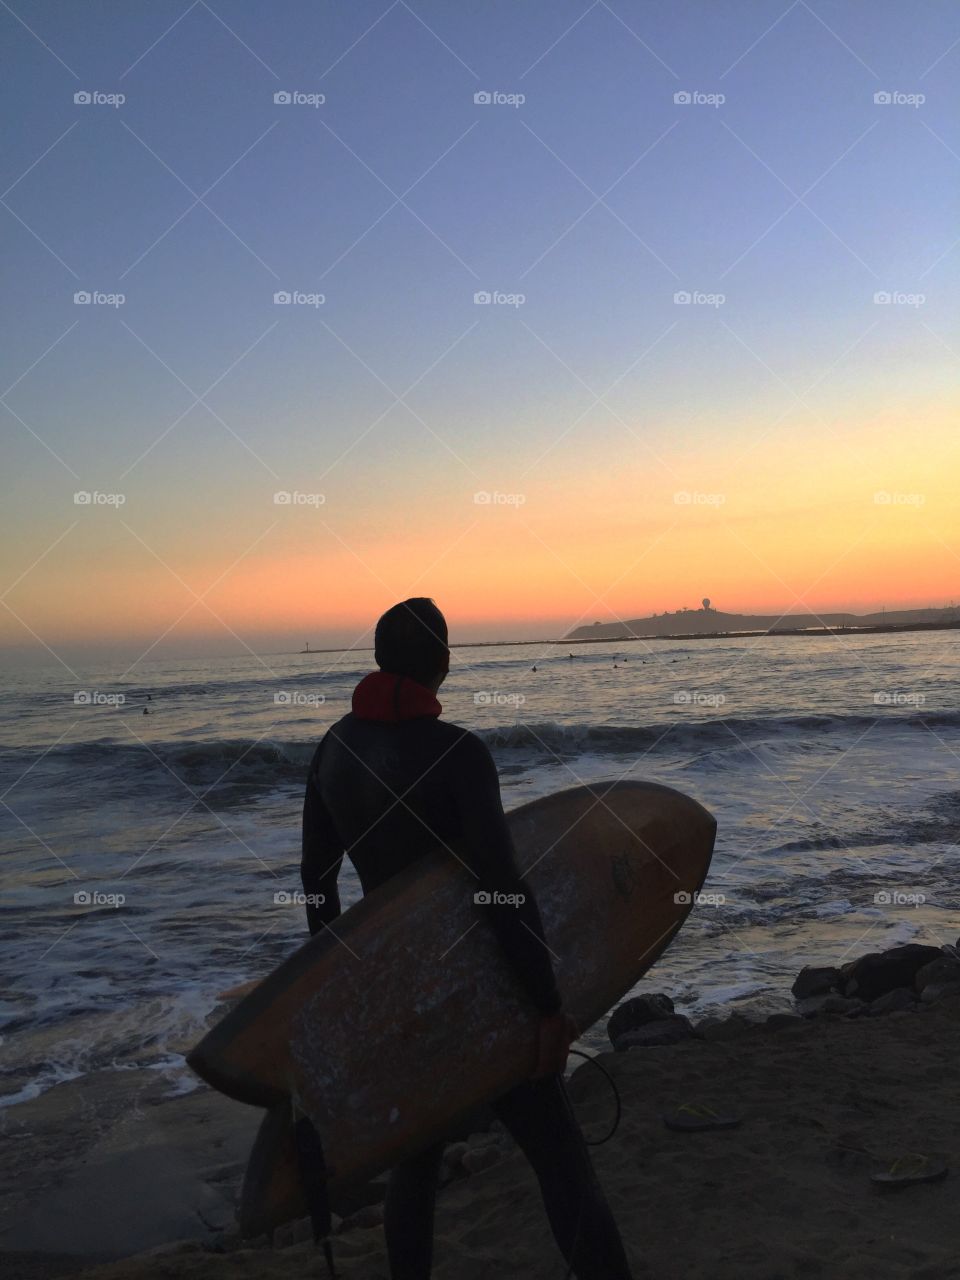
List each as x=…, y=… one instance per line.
x=710, y=621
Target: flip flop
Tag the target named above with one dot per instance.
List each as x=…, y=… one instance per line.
x=910, y=1170
x=697, y=1118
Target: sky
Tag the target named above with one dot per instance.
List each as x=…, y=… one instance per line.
x=555, y=312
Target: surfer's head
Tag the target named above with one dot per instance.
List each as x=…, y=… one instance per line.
x=411, y=640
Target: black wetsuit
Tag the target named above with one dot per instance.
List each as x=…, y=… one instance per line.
x=385, y=794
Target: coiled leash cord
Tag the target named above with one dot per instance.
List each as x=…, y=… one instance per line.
x=597, y=1142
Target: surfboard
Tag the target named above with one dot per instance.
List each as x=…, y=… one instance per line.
x=404, y=1016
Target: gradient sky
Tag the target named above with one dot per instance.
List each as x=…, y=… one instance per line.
x=781, y=412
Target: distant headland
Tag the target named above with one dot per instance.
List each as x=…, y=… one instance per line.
x=708, y=622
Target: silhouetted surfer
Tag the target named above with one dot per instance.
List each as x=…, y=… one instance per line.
x=388, y=783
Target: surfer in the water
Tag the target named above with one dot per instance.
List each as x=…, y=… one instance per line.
x=388, y=783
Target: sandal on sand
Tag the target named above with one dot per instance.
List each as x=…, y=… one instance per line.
x=909, y=1170
x=696, y=1118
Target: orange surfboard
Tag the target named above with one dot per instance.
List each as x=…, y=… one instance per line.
x=404, y=1016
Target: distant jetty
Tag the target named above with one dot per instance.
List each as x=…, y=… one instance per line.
x=708, y=623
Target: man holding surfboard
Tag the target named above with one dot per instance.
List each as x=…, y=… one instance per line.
x=389, y=783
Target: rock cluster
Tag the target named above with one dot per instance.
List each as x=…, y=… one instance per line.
x=881, y=982
x=894, y=981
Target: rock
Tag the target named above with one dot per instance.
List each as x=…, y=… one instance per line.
x=454, y=1153
x=371, y=1215
x=944, y=969
x=637, y=1012
x=720, y=1029
x=173, y=1247
x=893, y=1002
x=830, y=1005
x=782, y=1021
x=669, y=1030
x=291, y=1233
x=875, y=974
x=935, y=991
x=479, y=1158
x=481, y=1139
x=812, y=981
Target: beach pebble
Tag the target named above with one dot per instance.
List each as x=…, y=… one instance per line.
x=813, y=981
x=478, y=1158
x=638, y=1012
x=669, y=1030
x=892, y=1002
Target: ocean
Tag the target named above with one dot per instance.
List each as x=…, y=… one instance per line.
x=148, y=860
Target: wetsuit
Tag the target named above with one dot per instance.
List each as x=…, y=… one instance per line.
x=387, y=784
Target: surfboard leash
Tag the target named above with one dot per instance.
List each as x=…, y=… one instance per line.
x=598, y=1142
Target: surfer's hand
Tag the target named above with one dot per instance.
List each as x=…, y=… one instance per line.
x=556, y=1034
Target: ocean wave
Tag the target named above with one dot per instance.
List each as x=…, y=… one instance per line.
x=230, y=763
x=685, y=735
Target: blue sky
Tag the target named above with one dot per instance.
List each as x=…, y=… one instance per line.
x=796, y=198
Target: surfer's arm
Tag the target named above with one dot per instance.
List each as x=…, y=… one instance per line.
x=321, y=857
x=515, y=918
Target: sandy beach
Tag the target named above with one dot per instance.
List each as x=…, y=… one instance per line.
x=104, y=1168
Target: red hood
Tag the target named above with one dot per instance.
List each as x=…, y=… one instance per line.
x=390, y=699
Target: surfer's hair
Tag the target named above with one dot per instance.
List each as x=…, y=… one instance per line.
x=411, y=640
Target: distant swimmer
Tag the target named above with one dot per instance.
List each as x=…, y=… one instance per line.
x=569, y=655
x=145, y=711
x=533, y=668
x=149, y=697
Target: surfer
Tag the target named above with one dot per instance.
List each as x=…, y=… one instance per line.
x=387, y=784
